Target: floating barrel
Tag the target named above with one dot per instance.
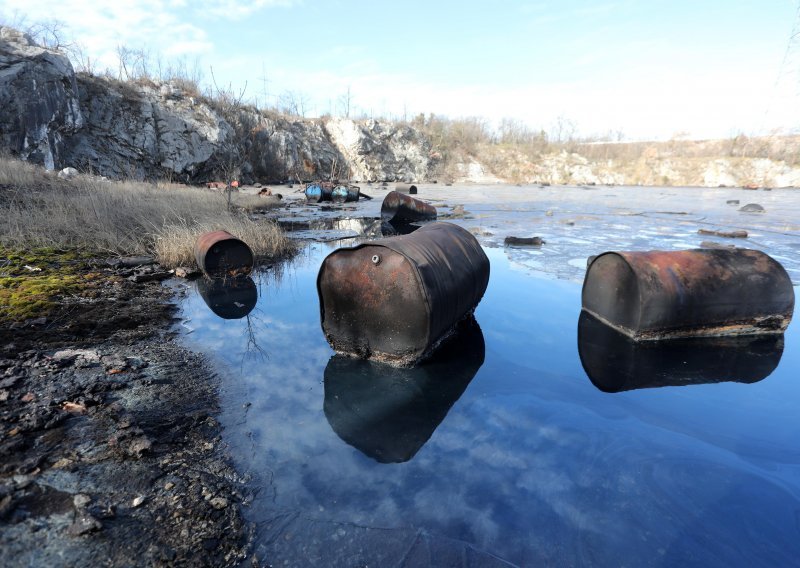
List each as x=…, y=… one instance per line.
x=394, y=299
x=614, y=362
x=406, y=188
x=398, y=208
x=388, y=413
x=229, y=298
x=702, y=292
x=344, y=193
x=221, y=254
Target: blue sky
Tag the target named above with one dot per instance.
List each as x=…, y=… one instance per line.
x=648, y=69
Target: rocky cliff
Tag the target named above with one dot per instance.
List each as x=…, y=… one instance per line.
x=52, y=116
x=141, y=129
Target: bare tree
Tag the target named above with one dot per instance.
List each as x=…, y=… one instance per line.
x=346, y=102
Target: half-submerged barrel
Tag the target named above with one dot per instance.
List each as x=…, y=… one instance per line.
x=406, y=188
x=395, y=299
x=702, y=292
x=220, y=254
x=398, y=208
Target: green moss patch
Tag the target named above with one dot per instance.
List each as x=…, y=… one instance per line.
x=33, y=282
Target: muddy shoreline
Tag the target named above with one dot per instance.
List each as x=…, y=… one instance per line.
x=110, y=450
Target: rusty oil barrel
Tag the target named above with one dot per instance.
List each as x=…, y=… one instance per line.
x=387, y=413
x=615, y=363
x=220, y=254
x=703, y=292
x=395, y=299
x=406, y=188
x=398, y=208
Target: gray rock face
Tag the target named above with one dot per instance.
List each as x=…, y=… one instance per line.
x=378, y=151
x=131, y=131
x=39, y=103
x=145, y=130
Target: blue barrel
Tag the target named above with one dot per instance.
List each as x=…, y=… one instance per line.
x=314, y=193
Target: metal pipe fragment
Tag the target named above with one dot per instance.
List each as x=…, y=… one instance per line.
x=398, y=208
x=220, y=254
x=701, y=292
x=395, y=299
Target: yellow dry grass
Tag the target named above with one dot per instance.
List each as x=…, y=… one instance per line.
x=86, y=213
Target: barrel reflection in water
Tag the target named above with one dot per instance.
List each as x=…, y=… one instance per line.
x=229, y=298
x=616, y=363
x=388, y=413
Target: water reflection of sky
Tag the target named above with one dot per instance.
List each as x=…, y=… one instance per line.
x=531, y=465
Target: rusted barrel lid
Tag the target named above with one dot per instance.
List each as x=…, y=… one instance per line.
x=702, y=292
x=394, y=299
x=398, y=208
x=389, y=413
x=220, y=254
x=614, y=362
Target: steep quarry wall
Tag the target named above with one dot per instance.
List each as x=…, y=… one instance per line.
x=52, y=116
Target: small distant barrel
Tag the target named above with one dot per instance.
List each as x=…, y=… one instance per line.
x=345, y=194
x=314, y=193
x=398, y=208
x=221, y=254
x=394, y=299
x=406, y=188
x=703, y=292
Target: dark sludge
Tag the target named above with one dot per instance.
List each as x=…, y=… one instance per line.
x=229, y=298
x=389, y=413
x=615, y=363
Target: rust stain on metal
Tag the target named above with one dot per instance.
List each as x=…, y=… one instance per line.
x=664, y=294
x=219, y=254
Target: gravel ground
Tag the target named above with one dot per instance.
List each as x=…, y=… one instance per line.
x=110, y=450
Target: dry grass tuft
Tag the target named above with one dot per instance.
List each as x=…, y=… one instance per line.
x=39, y=210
